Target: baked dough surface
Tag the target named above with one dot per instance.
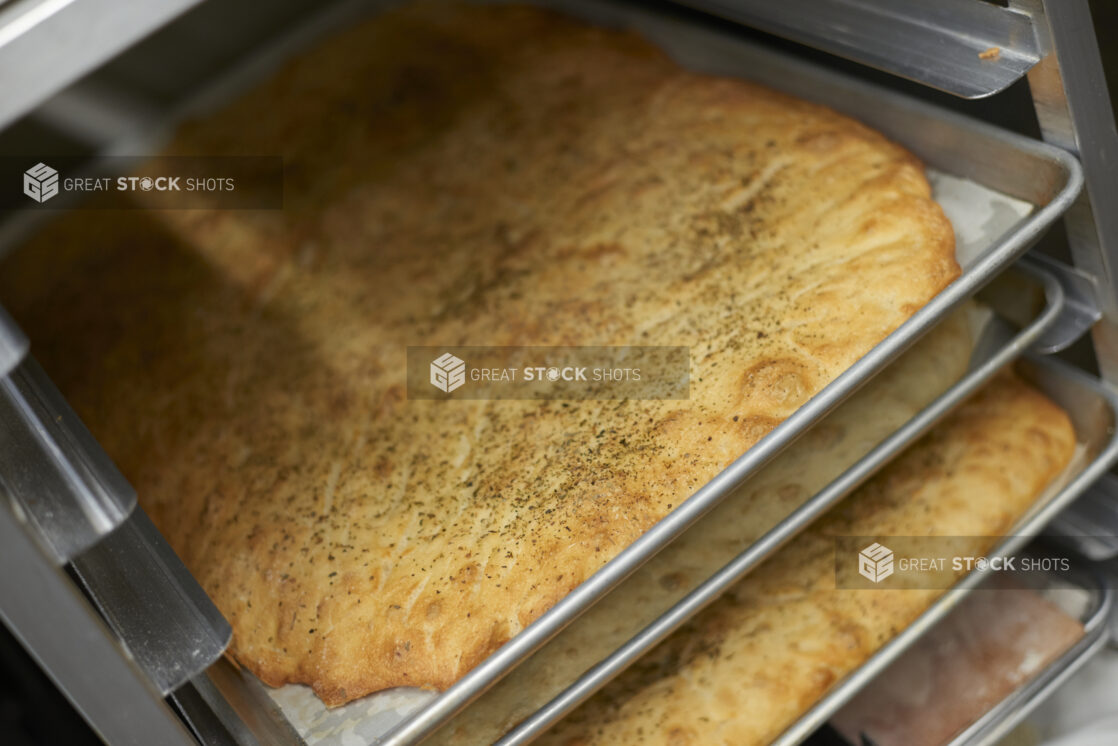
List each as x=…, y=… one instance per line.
x=481, y=176
x=744, y=669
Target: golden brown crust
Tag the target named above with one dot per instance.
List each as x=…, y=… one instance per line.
x=486, y=176
x=743, y=670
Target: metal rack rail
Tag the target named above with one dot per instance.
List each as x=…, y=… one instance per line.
x=46, y=45
x=63, y=497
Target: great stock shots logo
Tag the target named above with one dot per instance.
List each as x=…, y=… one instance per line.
x=548, y=372
x=448, y=372
x=40, y=182
x=165, y=182
x=875, y=562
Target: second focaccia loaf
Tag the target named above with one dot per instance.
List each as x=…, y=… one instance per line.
x=480, y=176
x=745, y=668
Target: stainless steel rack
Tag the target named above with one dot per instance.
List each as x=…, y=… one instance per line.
x=68, y=507
x=45, y=45
x=67, y=503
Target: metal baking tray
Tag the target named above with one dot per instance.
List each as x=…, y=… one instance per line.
x=1083, y=594
x=989, y=170
x=1019, y=307
x=1003, y=717
x=1093, y=408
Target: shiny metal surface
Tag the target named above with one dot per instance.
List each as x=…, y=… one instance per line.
x=944, y=44
x=1074, y=110
x=243, y=706
x=47, y=44
x=151, y=601
x=64, y=634
x=1081, y=306
x=63, y=482
x=200, y=718
x=13, y=344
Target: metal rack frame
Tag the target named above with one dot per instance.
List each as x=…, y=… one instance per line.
x=46, y=45
x=969, y=48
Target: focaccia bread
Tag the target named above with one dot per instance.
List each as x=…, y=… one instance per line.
x=750, y=664
x=480, y=176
